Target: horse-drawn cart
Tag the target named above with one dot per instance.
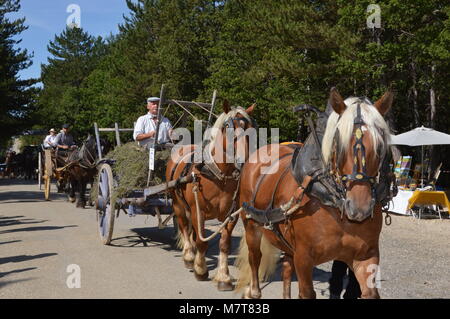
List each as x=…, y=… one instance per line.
x=151, y=200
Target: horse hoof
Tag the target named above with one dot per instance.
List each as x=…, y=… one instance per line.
x=72, y=199
x=81, y=205
x=189, y=264
x=225, y=286
x=202, y=277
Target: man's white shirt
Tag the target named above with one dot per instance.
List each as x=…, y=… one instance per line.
x=49, y=139
x=145, y=124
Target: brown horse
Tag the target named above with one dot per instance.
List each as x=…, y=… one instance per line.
x=81, y=168
x=217, y=180
x=354, y=147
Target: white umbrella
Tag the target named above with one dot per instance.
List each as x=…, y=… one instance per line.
x=419, y=137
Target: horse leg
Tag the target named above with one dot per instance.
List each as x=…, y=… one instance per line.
x=185, y=232
x=81, y=197
x=253, y=239
x=366, y=271
x=223, y=277
x=200, y=269
x=304, y=270
x=73, y=186
x=287, y=270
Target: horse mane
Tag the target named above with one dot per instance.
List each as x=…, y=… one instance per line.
x=212, y=134
x=374, y=122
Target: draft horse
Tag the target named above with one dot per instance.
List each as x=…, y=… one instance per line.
x=216, y=182
x=81, y=168
x=284, y=213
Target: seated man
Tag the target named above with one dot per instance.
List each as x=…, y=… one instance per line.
x=64, y=140
x=65, y=144
x=145, y=128
x=49, y=141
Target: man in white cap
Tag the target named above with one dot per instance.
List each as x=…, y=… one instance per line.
x=50, y=140
x=145, y=128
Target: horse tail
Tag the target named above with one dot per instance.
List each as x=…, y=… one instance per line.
x=268, y=264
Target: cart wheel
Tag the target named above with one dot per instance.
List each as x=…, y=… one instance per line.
x=47, y=186
x=105, y=207
x=40, y=170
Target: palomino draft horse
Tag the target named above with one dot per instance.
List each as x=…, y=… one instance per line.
x=81, y=168
x=355, y=148
x=216, y=183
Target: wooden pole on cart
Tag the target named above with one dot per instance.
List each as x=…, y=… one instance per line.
x=155, y=139
x=40, y=170
x=116, y=128
x=97, y=138
x=213, y=102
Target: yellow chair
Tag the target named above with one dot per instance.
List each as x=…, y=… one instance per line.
x=427, y=198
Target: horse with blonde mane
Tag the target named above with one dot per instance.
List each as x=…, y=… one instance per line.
x=335, y=214
x=215, y=185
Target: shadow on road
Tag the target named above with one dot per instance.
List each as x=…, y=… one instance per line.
x=10, y=242
x=11, y=197
x=5, y=283
x=148, y=237
x=4, y=274
x=21, y=258
x=38, y=228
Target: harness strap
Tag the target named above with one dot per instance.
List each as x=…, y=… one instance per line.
x=262, y=176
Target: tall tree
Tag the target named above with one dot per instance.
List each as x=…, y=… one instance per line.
x=75, y=54
x=16, y=95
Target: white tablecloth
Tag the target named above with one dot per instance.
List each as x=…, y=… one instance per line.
x=400, y=202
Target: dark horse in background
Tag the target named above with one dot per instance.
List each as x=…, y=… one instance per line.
x=29, y=162
x=81, y=167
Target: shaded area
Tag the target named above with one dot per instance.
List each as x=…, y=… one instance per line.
x=19, y=222
x=9, y=197
x=5, y=283
x=21, y=258
x=38, y=228
x=4, y=274
x=10, y=242
x=148, y=237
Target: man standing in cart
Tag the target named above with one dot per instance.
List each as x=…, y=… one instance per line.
x=145, y=128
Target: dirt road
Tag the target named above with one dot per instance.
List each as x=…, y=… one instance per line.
x=44, y=244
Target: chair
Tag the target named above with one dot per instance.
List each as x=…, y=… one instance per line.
x=435, y=177
x=402, y=169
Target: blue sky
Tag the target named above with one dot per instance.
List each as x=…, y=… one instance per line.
x=47, y=18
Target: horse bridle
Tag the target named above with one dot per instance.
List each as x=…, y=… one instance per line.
x=229, y=123
x=359, y=148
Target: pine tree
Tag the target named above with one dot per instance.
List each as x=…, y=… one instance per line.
x=16, y=95
x=75, y=54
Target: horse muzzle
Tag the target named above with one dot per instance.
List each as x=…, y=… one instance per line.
x=358, y=214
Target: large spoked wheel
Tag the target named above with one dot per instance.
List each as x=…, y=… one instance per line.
x=47, y=186
x=105, y=207
x=40, y=170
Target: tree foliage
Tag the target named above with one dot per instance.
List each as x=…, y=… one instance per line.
x=16, y=95
x=276, y=53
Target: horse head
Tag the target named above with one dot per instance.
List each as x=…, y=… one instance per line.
x=355, y=145
x=229, y=137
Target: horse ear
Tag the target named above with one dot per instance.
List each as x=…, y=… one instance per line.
x=385, y=102
x=336, y=101
x=250, y=110
x=226, y=106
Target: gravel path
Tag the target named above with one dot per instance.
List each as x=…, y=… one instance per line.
x=39, y=239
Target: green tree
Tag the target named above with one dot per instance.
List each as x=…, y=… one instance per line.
x=75, y=54
x=16, y=95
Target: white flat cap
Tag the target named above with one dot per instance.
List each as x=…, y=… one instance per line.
x=153, y=99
